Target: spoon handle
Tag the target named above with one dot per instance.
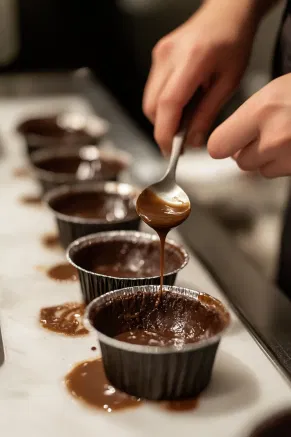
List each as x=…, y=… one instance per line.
x=180, y=137
x=189, y=111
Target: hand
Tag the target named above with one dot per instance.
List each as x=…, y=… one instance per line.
x=210, y=49
x=258, y=134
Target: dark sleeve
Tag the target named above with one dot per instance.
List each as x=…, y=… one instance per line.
x=280, y=48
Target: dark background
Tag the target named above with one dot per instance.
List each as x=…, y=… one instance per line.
x=63, y=34
x=100, y=34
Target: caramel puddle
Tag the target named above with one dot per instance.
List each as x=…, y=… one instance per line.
x=21, y=172
x=64, y=319
x=87, y=382
x=62, y=272
x=50, y=241
x=30, y=200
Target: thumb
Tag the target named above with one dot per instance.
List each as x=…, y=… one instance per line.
x=236, y=132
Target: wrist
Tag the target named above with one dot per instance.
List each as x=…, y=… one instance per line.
x=242, y=12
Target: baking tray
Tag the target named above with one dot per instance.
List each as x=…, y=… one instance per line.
x=33, y=400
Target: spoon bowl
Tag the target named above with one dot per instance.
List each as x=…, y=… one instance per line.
x=169, y=192
x=165, y=205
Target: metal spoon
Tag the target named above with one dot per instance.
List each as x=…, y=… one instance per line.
x=167, y=190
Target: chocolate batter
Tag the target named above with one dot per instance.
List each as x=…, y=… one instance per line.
x=162, y=217
x=31, y=200
x=70, y=164
x=132, y=259
x=49, y=127
x=159, y=215
x=88, y=383
x=50, y=241
x=94, y=205
x=64, y=319
x=177, y=321
x=120, y=271
x=63, y=272
x=159, y=339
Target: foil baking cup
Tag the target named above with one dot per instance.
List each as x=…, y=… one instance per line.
x=150, y=372
x=71, y=228
x=96, y=284
x=49, y=179
x=95, y=128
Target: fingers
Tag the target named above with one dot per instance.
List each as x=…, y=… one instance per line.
x=259, y=155
x=279, y=167
x=237, y=132
x=207, y=111
x=159, y=73
x=254, y=156
x=156, y=81
x=180, y=87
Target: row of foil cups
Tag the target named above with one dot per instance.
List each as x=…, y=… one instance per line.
x=148, y=372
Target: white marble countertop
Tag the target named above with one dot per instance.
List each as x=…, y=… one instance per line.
x=33, y=401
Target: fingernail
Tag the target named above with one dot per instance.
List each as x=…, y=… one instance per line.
x=165, y=152
x=197, y=139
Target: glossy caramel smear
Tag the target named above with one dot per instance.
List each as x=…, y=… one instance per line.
x=88, y=383
x=65, y=319
x=51, y=241
x=63, y=272
x=30, y=200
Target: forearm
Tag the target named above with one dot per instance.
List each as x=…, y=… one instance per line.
x=253, y=10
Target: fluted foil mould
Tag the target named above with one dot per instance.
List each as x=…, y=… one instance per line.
x=158, y=373
x=95, y=284
x=94, y=126
x=71, y=227
x=49, y=179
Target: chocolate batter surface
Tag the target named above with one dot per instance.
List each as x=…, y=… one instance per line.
x=70, y=165
x=175, y=322
x=88, y=383
x=152, y=338
x=94, y=205
x=63, y=272
x=48, y=127
x=127, y=259
x=64, y=319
